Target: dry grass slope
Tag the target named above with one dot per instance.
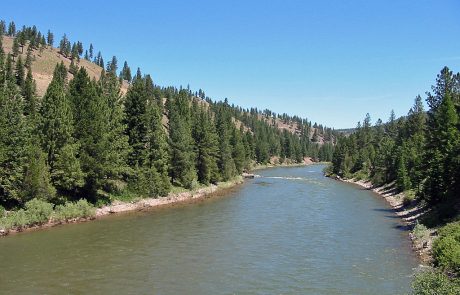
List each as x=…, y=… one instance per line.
x=44, y=62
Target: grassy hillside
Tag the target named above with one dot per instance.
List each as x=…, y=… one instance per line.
x=44, y=62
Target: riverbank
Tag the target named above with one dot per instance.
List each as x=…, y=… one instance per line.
x=422, y=238
x=274, y=164
x=118, y=206
x=170, y=199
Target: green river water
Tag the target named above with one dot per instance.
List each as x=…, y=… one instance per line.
x=290, y=231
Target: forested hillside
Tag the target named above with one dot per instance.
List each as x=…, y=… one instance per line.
x=93, y=132
x=418, y=154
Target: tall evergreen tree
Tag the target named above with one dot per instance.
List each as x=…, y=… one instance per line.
x=15, y=48
x=136, y=109
x=13, y=141
x=29, y=94
x=91, y=51
x=91, y=117
x=207, y=152
x=20, y=73
x=223, y=126
x=181, y=141
x=50, y=38
x=12, y=29
x=57, y=130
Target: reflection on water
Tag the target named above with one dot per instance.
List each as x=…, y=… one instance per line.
x=291, y=231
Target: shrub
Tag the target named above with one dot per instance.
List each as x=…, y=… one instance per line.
x=420, y=231
x=409, y=197
x=71, y=210
x=38, y=212
x=18, y=219
x=446, y=248
x=432, y=282
x=451, y=229
x=2, y=211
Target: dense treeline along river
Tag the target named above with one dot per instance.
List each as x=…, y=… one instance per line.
x=291, y=231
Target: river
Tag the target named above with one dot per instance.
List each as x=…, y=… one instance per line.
x=290, y=231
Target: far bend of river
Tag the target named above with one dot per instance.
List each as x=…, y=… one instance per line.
x=291, y=231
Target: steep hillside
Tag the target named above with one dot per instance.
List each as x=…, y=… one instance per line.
x=46, y=58
x=44, y=62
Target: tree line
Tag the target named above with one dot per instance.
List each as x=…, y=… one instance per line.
x=85, y=140
x=420, y=151
x=420, y=155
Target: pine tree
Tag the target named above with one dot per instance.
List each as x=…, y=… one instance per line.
x=74, y=52
x=13, y=141
x=442, y=141
x=118, y=150
x=28, y=62
x=181, y=141
x=158, y=149
x=238, y=153
x=20, y=74
x=63, y=45
x=15, y=48
x=79, y=48
x=50, y=39
x=12, y=29
x=125, y=73
x=57, y=131
x=112, y=65
x=91, y=117
x=28, y=92
x=135, y=109
x=73, y=68
x=21, y=37
x=207, y=152
x=2, y=27
x=223, y=126
x=91, y=51
x=37, y=182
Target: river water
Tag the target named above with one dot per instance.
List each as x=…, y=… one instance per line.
x=290, y=231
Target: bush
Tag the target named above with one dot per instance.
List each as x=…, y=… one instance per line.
x=420, y=231
x=446, y=248
x=2, y=211
x=409, y=197
x=18, y=219
x=71, y=210
x=38, y=212
x=433, y=283
x=451, y=229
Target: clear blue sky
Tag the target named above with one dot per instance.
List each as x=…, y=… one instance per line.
x=329, y=61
